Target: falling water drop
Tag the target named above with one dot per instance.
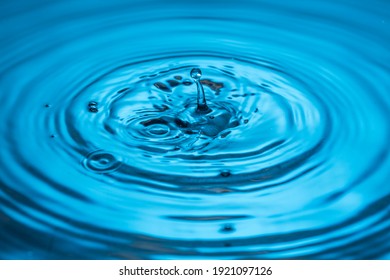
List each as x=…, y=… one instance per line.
x=196, y=73
x=201, y=100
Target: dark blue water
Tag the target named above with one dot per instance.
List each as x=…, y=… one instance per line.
x=108, y=152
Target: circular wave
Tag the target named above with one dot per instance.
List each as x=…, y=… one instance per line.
x=104, y=154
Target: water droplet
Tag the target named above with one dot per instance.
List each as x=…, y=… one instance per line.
x=196, y=73
x=201, y=99
x=101, y=162
x=225, y=173
x=92, y=107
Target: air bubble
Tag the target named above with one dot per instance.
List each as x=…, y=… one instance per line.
x=225, y=173
x=93, y=107
x=101, y=162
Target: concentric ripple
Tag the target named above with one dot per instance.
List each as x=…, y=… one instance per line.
x=109, y=152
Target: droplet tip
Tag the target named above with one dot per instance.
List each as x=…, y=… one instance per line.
x=196, y=73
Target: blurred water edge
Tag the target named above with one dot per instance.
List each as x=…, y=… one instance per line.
x=105, y=153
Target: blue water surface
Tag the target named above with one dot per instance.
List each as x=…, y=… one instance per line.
x=105, y=153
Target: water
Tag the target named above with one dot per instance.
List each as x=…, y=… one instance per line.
x=109, y=152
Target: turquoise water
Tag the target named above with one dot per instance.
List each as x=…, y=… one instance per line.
x=107, y=154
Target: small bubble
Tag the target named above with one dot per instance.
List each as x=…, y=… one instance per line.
x=101, y=162
x=47, y=105
x=178, y=78
x=225, y=173
x=52, y=136
x=228, y=228
x=246, y=121
x=92, y=107
x=196, y=73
